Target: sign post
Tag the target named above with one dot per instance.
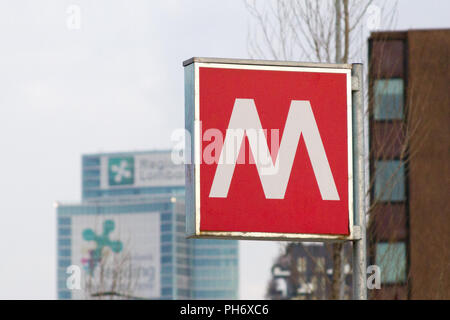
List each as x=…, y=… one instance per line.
x=360, y=140
x=275, y=151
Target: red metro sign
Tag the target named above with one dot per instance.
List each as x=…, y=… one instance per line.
x=270, y=150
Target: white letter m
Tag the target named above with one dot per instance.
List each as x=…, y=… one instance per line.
x=300, y=120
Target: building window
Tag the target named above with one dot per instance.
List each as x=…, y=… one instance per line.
x=166, y=227
x=166, y=269
x=64, y=232
x=388, y=97
x=166, y=259
x=91, y=173
x=91, y=183
x=215, y=262
x=214, y=294
x=389, y=180
x=64, y=295
x=182, y=250
x=229, y=251
x=64, y=242
x=391, y=258
x=166, y=217
x=64, y=220
x=166, y=281
x=183, y=292
x=183, y=261
x=166, y=291
x=88, y=162
x=166, y=237
x=91, y=194
x=183, y=271
x=63, y=263
x=64, y=252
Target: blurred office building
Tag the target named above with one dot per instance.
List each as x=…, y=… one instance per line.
x=126, y=238
x=304, y=271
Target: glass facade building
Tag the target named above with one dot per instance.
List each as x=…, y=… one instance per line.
x=127, y=235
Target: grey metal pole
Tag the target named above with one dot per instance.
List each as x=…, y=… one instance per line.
x=359, y=185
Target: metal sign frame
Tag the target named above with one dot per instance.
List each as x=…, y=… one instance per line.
x=357, y=158
x=193, y=127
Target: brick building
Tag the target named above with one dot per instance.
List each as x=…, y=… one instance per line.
x=409, y=233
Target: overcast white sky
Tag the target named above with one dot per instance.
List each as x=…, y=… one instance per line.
x=116, y=84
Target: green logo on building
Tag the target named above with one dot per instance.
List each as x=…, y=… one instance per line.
x=121, y=171
x=102, y=240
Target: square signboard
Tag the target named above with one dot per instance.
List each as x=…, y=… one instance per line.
x=269, y=150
